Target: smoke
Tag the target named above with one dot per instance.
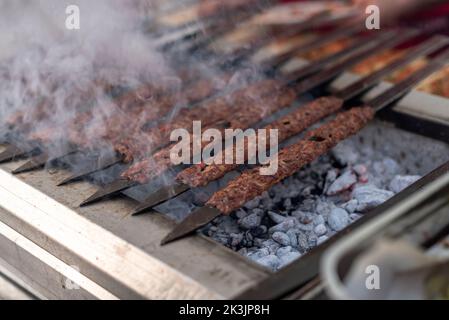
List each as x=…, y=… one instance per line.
x=52, y=75
x=60, y=89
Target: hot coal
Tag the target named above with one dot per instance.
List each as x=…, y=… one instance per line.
x=307, y=209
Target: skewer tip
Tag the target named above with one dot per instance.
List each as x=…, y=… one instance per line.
x=160, y=196
x=193, y=222
x=109, y=190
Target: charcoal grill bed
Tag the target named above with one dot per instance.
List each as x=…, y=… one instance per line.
x=58, y=250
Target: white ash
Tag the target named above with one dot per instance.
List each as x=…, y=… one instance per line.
x=307, y=209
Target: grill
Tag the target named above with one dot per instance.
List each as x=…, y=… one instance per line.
x=101, y=240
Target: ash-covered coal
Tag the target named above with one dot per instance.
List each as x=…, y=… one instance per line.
x=316, y=203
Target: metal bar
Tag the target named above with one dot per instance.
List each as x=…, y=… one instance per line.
x=313, y=44
x=405, y=86
x=12, y=152
x=199, y=218
x=110, y=190
x=168, y=192
x=103, y=164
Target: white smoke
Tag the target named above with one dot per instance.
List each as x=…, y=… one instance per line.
x=41, y=61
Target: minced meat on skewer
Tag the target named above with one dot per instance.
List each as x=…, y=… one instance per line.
x=211, y=112
x=291, y=159
x=288, y=126
x=248, y=115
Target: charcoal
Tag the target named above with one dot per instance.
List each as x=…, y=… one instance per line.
x=318, y=219
x=288, y=258
x=360, y=170
x=370, y=197
x=281, y=238
x=288, y=224
x=312, y=240
x=301, y=209
x=345, y=154
x=342, y=183
x=320, y=230
x=253, y=203
x=259, y=231
x=400, y=183
x=293, y=237
x=271, y=262
x=338, y=219
x=251, y=221
x=240, y=214
x=271, y=245
x=277, y=218
x=351, y=205
x=303, y=243
x=236, y=239
x=258, y=254
x=283, y=250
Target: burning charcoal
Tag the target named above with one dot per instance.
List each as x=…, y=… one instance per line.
x=400, y=183
x=288, y=224
x=236, y=239
x=283, y=251
x=350, y=206
x=277, y=218
x=271, y=261
x=370, y=197
x=251, y=221
x=281, y=238
x=345, y=154
x=303, y=243
x=288, y=258
x=322, y=239
x=293, y=238
x=320, y=230
x=338, y=219
x=343, y=183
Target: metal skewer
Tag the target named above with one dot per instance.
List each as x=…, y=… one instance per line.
x=168, y=192
x=355, y=54
x=206, y=214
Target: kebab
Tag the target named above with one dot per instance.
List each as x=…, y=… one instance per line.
x=197, y=93
x=135, y=141
x=146, y=103
x=302, y=87
x=317, y=142
x=290, y=125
